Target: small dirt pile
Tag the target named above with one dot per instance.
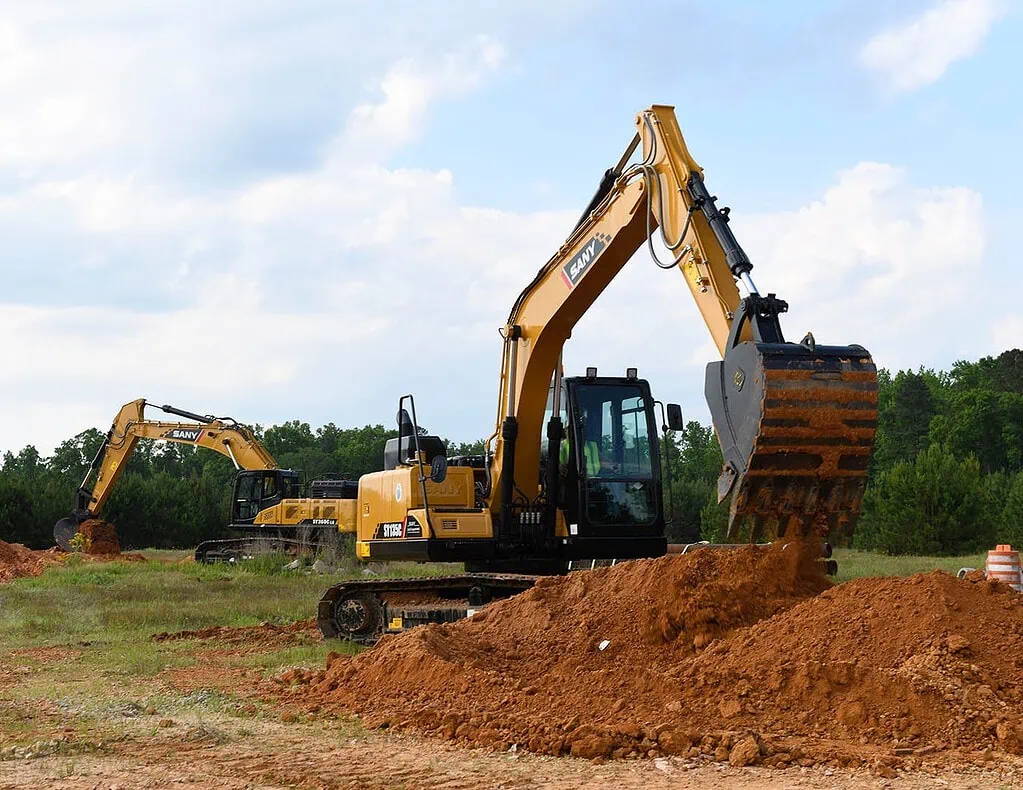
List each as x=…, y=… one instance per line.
x=100, y=537
x=749, y=655
x=16, y=561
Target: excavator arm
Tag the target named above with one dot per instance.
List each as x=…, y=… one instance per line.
x=220, y=434
x=795, y=421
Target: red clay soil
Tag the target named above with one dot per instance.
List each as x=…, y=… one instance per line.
x=748, y=655
x=101, y=535
x=16, y=561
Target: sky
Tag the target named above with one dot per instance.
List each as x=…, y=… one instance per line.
x=303, y=209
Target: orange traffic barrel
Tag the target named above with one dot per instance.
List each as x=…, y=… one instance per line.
x=1003, y=564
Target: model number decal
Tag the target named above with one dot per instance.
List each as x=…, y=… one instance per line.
x=574, y=270
x=390, y=529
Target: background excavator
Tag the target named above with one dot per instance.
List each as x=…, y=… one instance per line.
x=267, y=505
x=795, y=421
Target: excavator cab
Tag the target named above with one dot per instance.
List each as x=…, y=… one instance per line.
x=257, y=490
x=613, y=474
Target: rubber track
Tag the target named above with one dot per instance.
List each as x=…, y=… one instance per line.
x=241, y=543
x=507, y=583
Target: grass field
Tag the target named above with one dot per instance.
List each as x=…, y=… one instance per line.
x=853, y=564
x=125, y=603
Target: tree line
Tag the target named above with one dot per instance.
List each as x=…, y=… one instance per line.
x=946, y=476
x=173, y=495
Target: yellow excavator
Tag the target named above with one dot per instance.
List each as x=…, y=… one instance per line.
x=267, y=505
x=573, y=467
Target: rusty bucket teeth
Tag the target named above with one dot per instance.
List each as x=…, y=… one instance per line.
x=796, y=427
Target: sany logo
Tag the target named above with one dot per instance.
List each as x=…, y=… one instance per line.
x=184, y=434
x=573, y=271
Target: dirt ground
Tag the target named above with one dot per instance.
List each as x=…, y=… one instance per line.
x=263, y=707
x=309, y=756
x=211, y=725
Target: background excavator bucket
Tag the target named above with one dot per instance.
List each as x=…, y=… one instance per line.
x=64, y=530
x=796, y=425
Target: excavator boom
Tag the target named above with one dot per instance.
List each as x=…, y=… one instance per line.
x=795, y=421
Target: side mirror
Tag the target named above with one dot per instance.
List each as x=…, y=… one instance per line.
x=675, y=421
x=439, y=468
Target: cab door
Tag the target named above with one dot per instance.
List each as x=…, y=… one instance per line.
x=614, y=476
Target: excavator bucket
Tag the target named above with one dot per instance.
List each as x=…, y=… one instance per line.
x=64, y=530
x=796, y=425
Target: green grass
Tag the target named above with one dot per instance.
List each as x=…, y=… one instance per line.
x=853, y=564
x=309, y=656
x=120, y=602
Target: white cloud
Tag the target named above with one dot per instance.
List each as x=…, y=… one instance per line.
x=324, y=289
x=314, y=292
x=409, y=89
x=1007, y=333
x=919, y=52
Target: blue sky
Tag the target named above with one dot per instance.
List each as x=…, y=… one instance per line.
x=304, y=209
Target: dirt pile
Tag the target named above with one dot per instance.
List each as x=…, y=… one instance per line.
x=747, y=655
x=100, y=537
x=16, y=561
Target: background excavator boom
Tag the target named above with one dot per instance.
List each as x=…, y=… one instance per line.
x=220, y=434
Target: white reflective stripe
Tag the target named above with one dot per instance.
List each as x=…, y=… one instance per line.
x=993, y=568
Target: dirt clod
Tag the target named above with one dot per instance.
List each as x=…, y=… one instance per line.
x=745, y=752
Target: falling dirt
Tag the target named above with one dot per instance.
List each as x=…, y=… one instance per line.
x=747, y=655
x=100, y=537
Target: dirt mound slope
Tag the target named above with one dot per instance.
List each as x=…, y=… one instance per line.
x=741, y=651
x=101, y=537
x=16, y=561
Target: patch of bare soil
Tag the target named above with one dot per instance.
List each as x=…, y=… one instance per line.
x=747, y=656
x=16, y=561
x=275, y=756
